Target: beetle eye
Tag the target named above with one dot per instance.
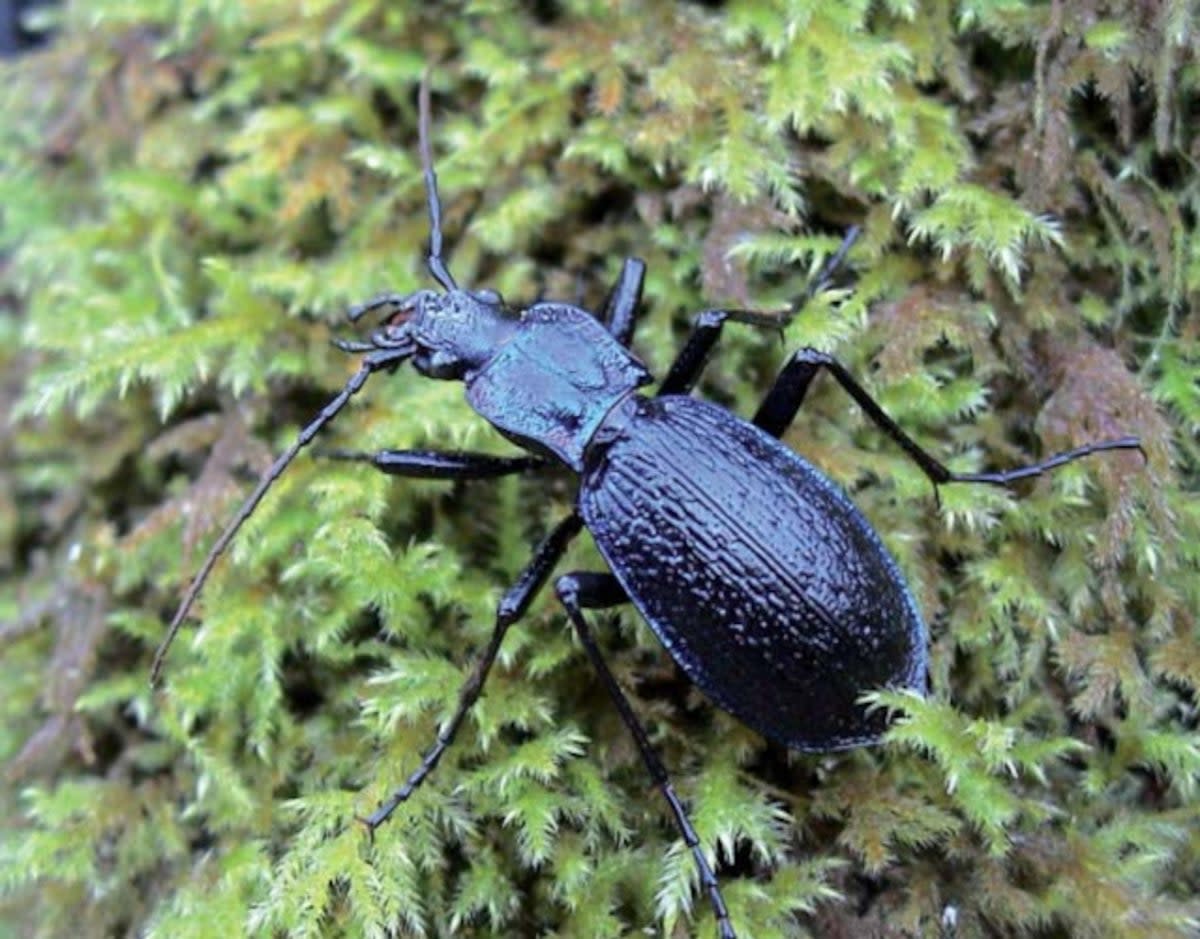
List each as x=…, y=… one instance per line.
x=489, y=296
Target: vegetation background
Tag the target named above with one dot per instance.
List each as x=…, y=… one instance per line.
x=191, y=194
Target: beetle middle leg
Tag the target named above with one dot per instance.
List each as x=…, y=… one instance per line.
x=706, y=329
x=786, y=396
x=579, y=591
x=512, y=607
x=435, y=464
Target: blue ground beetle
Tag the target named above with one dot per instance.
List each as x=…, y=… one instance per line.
x=761, y=578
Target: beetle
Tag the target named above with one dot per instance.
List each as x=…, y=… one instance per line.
x=764, y=582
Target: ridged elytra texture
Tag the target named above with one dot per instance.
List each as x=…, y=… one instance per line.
x=762, y=579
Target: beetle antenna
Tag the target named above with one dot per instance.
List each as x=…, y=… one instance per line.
x=437, y=266
x=370, y=364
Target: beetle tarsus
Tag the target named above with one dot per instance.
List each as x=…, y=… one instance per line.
x=368, y=826
x=836, y=260
x=1009, y=476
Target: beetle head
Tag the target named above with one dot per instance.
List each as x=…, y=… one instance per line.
x=447, y=335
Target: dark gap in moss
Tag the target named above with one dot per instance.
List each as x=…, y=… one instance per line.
x=1155, y=788
x=831, y=212
x=34, y=535
x=189, y=88
x=248, y=239
x=366, y=627
x=546, y=12
x=457, y=862
x=548, y=251
x=475, y=508
x=934, y=87
x=870, y=888
x=410, y=516
x=107, y=745
x=742, y=865
x=386, y=108
x=999, y=62
x=612, y=202
x=1103, y=737
x=691, y=710
x=301, y=684
x=131, y=491
x=296, y=401
x=1176, y=172
x=207, y=167
x=527, y=920
x=515, y=736
x=1094, y=118
x=315, y=235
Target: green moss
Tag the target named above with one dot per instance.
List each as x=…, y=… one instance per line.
x=193, y=193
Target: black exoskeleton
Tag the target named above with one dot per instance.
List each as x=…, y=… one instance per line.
x=761, y=578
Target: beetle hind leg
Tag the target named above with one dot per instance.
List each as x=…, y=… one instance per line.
x=579, y=591
x=786, y=396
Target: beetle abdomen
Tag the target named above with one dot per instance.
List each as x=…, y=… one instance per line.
x=758, y=574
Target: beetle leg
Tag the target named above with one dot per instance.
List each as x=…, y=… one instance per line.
x=512, y=607
x=782, y=402
x=432, y=464
x=689, y=363
x=577, y=591
x=706, y=328
x=620, y=306
x=830, y=267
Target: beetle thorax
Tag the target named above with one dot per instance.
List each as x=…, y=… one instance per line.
x=549, y=384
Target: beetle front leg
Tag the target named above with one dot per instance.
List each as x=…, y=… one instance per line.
x=434, y=464
x=512, y=607
x=577, y=591
x=620, y=306
x=786, y=396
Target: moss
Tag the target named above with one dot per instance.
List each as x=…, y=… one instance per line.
x=193, y=193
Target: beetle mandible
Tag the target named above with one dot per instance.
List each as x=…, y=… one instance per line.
x=767, y=586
